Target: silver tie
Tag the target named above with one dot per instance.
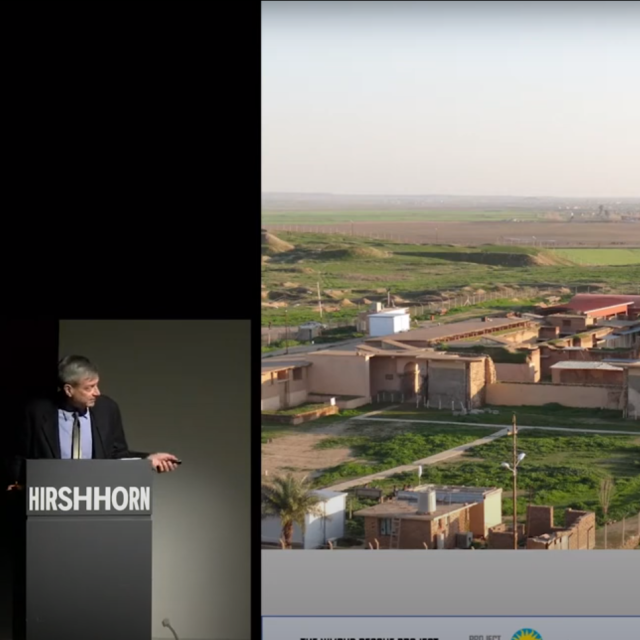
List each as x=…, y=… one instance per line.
x=76, y=452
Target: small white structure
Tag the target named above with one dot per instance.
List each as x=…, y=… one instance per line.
x=310, y=330
x=388, y=322
x=327, y=527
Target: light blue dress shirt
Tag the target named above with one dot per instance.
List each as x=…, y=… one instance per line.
x=65, y=427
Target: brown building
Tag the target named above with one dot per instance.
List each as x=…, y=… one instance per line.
x=539, y=533
x=598, y=373
x=435, y=518
x=599, y=307
x=578, y=533
x=284, y=383
x=434, y=334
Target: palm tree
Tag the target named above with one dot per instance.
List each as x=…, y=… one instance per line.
x=291, y=500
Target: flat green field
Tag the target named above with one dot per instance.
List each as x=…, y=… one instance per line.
x=344, y=217
x=354, y=269
x=598, y=257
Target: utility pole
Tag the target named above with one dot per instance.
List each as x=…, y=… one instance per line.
x=286, y=332
x=319, y=301
x=515, y=481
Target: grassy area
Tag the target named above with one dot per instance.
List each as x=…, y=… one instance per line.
x=338, y=335
x=598, y=257
x=299, y=315
x=276, y=345
x=379, y=453
x=345, y=217
x=413, y=271
x=562, y=471
x=272, y=430
x=294, y=411
x=544, y=416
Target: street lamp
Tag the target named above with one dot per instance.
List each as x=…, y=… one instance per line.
x=513, y=467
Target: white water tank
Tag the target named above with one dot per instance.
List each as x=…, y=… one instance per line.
x=431, y=500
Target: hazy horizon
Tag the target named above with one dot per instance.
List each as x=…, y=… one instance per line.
x=460, y=99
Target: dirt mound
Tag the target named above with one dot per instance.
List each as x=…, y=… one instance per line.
x=534, y=258
x=272, y=245
x=347, y=303
x=274, y=305
x=548, y=259
x=345, y=251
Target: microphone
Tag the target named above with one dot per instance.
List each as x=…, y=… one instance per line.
x=166, y=623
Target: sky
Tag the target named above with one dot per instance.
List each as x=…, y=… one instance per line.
x=456, y=98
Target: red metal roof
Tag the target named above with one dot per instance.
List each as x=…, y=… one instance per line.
x=586, y=302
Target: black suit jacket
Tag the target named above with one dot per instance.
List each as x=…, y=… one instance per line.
x=38, y=435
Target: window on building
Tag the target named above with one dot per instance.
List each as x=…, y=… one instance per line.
x=385, y=526
x=297, y=374
x=283, y=375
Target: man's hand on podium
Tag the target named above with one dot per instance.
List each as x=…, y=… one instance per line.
x=163, y=462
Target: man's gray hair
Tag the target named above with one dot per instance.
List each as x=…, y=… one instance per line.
x=74, y=369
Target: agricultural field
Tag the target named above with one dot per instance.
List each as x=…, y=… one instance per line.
x=469, y=230
x=598, y=257
x=351, y=272
x=329, y=218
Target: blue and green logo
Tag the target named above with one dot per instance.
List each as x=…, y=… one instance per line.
x=526, y=634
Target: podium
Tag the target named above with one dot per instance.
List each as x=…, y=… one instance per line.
x=87, y=547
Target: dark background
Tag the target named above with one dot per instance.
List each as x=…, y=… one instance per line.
x=130, y=131
x=30, y=354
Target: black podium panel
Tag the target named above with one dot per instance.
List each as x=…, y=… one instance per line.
x=88, y=550
x=89, y=578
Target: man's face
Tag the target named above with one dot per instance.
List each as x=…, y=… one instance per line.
x=84, y=393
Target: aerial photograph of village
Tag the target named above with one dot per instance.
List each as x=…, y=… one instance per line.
x=444, y=368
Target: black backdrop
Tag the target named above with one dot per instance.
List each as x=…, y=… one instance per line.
x=29, y=358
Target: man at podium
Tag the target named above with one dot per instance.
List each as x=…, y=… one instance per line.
x=78, y=423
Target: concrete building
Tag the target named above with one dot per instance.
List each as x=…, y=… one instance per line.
x=587, y=373
x=519, y=329
x=585, y=310
x=539, y=533
x=309, y=331
x=402, y=374
x=578, y=533
x=329, y=526
x=432, y=518
x=389, y=322
x=284, y=383
x=625, y=334
x=632, y=387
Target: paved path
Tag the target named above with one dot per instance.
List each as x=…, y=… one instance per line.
x=450, y=453
x=434, y=459
x=484, y=424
